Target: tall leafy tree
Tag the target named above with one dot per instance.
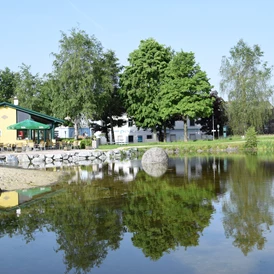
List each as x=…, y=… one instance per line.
x=218, y=117
x=246, y=81
x=141, y=82
x=110, y=104
x=28, y=88
x=185, y=92
x=7, y=84
x=46, y=95
x=78, y=76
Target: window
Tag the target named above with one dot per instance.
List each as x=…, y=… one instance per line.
x=140, y=139
x=130, y=123
x=21, y=116
x=191, y=122
x=22, y=134
x=130, y=138
x=172, y=137
x=149, y=137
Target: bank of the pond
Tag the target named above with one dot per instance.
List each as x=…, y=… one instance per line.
x=39, y=168
x=18, y=178
x=15, y=178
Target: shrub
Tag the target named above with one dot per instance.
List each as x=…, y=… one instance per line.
x=251, y=139
x=85, y=142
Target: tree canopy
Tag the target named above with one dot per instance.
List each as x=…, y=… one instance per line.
x=141, y=82
x=110, y=104
x=159, y=86
x=246, y=81
x=186, y=90
x=77, y=76
x=7, y=84
x=29, y=89
x=218, y=119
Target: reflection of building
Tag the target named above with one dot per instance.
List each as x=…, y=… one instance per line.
x=9, y=199
x=188, y=166
x=122, y=171
x=14, y=198
x=11, y=114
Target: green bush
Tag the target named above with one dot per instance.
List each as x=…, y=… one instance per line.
x=85, y=142
x=251, y=139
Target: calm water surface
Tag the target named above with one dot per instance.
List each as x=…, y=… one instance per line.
x=203, y=215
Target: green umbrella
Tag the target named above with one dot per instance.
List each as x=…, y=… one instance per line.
x=29, y=124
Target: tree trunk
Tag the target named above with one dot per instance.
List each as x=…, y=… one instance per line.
x=185, y=129
x=112, y=130
x=76, y=132
x=165, y=133
x=154, y=134
x=107, y=134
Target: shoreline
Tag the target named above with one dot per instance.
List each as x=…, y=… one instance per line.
x=12, y=178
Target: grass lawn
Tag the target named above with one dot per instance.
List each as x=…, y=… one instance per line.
x=265, y=142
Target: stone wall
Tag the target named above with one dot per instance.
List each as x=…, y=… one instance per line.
x=57, y=159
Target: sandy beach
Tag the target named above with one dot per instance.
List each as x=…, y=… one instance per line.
x=15, y=178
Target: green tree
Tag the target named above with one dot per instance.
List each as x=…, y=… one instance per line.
x=78, y=76
x=110, y=104
x=7, y=84
x=186, y=90
x=219, y=116
x=28, y=88
x=141, y=82
x=251, y=139
x=46, y=95
x=246, y=81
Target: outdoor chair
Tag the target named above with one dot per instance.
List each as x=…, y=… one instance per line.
x=62, y=144
x=42, y=145
x=76, y=144
x=30, y=145
x=8, y=147
x=18, y=147
x=53, y=144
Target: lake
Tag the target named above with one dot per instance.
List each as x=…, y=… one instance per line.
x=204, y=215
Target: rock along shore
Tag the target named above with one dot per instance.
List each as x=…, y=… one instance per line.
x=28, y=169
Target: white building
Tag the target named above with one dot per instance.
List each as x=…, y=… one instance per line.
x=129, y=133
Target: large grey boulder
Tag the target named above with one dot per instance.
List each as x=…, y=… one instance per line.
x=155, y=169
x=155, y=162
x=155, y=155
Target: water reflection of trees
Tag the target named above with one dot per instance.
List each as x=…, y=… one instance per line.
x=87, y=224
x=249, y=208
x=90, y=214
x=163, y=217
x=86, y=227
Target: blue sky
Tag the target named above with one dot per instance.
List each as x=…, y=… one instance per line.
x=31, y=29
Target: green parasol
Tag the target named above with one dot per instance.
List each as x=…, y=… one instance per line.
x=29, y=124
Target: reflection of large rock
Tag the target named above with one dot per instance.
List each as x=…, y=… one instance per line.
x=155, y=162
x=155, y=155
x=155, y=169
